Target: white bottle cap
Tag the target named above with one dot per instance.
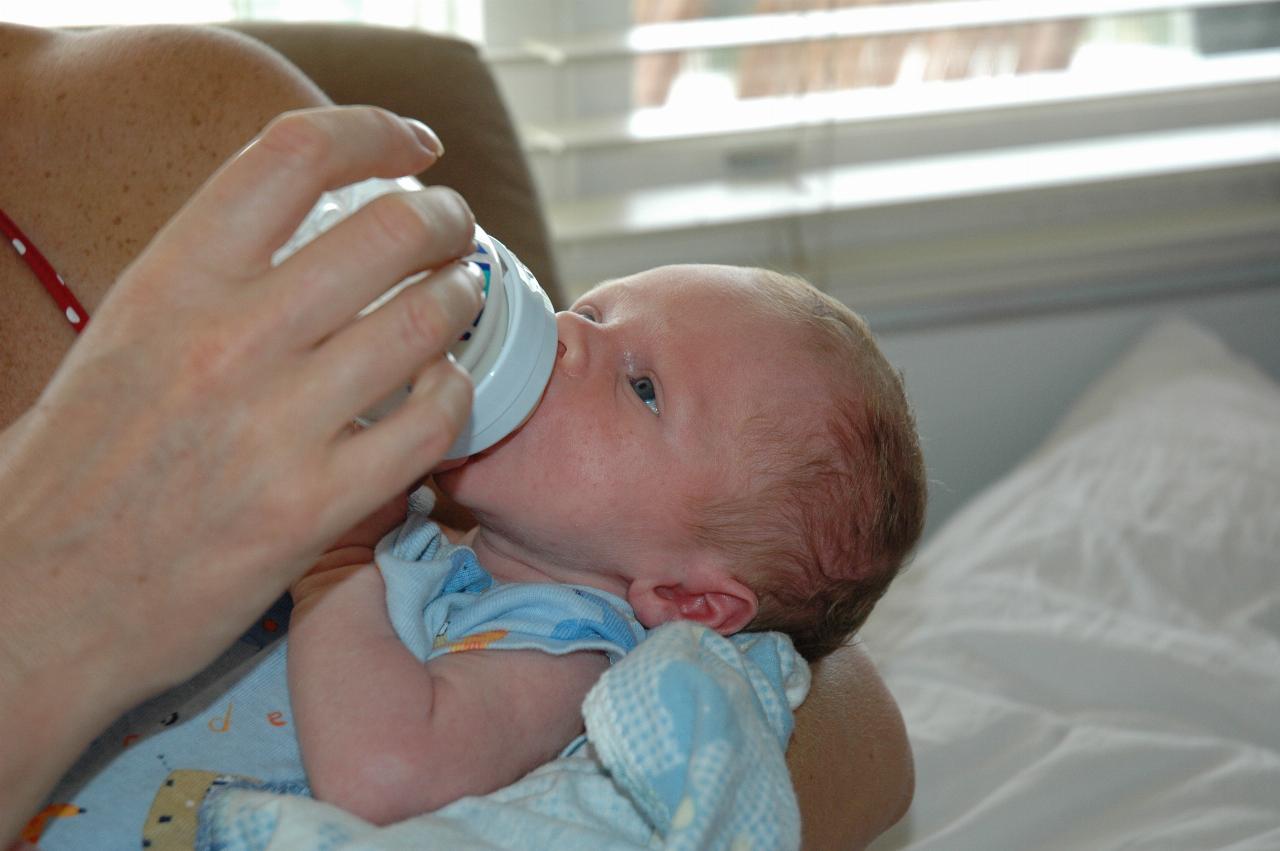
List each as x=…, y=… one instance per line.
x=511, y=383
x=509, y=350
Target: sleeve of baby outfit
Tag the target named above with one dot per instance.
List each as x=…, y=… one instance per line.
x=419, y=566
x=440, y=600
x=546, y=616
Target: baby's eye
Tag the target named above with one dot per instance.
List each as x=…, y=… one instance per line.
x=588, y=313
x=647, y=392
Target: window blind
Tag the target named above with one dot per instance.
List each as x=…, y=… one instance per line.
x=873, y=146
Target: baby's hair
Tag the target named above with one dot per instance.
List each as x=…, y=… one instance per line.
x=828, y=514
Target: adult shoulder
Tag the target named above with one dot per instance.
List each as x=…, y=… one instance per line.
x=106, y=133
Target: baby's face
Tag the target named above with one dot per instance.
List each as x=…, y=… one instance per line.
x=653, y=377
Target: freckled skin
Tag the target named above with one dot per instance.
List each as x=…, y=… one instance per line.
x=91, y=173
x=595, y=480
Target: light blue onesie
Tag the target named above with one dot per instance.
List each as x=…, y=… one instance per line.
x=141, y=782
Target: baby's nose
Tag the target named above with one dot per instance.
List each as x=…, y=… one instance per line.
x=571, y=347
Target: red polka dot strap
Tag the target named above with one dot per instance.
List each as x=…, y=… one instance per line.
x=71, y=307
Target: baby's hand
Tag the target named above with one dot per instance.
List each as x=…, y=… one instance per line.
x=370, y=530
x=352, y=550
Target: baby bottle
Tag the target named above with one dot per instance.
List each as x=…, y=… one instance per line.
x=509, y=349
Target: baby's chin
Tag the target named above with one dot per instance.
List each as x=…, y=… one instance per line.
x=450, y=480
x=454, y=479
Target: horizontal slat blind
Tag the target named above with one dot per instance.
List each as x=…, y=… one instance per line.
x=1114, y=106
x=785, y=113
x=916, y=181
x=818, y=24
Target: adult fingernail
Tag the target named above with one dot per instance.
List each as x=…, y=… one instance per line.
x=475, y=275
x=460, y=293
x=426, y=136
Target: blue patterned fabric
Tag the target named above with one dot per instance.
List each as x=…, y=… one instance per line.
x=234, y=721
x=441, y=600
x=685, y=750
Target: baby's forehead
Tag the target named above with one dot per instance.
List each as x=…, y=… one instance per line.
x=680, y=287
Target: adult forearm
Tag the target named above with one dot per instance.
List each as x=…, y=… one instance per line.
x=46, y=727
x=52, y=703
x=850, y=759
x=62, y=678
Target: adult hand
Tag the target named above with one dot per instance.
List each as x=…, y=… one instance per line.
x=191, y=456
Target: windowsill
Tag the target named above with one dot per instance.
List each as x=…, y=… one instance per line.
x=793, y=27
x=923, y=100
x=891, y=183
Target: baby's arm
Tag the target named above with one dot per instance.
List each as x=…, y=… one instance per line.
x=388, y=737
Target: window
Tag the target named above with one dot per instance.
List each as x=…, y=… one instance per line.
x=913, y=157
x=905, y=154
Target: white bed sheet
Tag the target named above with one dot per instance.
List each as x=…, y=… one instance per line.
x=1088, y=655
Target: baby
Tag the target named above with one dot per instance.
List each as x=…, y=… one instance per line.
x=716, y=444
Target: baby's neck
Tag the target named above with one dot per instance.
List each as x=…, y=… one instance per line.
x=508, y=562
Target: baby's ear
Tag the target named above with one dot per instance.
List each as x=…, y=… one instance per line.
x=715, y=600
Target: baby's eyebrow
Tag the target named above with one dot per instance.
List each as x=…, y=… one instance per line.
x=682, y=402
x=591, y=295
x=601, y=285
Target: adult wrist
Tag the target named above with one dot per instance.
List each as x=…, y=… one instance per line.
x=61, y=676
x=51, y=707
x=72, y=592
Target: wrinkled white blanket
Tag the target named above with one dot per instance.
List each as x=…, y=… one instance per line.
x=1088, y=655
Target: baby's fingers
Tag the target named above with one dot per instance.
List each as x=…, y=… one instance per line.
x=371, y=529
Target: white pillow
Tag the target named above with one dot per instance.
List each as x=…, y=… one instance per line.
x=1172, y=351
x=1088, y=654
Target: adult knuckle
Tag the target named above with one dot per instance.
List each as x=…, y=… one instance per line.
x=466, y=384
x=387, y=121
x=437, y=434
x=299, y=140
x=397, y=224
x=423, y=322
x=435, y=438
x=443, y=406
x=451, y=218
